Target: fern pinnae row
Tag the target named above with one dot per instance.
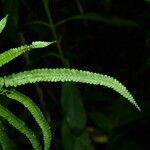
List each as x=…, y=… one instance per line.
x=72, y=75
x=12, y=53
x=20, y=125
x=36, y=113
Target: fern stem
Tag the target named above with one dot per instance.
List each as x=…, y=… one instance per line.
x=51, y=24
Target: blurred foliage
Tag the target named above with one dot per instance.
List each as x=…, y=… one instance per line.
x=106, y=36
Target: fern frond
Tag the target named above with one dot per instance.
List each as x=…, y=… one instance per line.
x=63, y=75
x=12, y=53
x=35, y=111
x=4, y=139
x=3, y=23
x=20, y=125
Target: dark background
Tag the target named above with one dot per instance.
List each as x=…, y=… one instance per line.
x=105, y=36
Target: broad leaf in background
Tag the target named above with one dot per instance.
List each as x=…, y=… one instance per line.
x=108, y=123
x=75, y=142
x=83, y=142
x=101, y=120
x=125, y=116
x=73, y=108
x=68, y=139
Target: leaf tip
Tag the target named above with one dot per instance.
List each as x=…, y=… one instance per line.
x=3, y=23
x=41, y=44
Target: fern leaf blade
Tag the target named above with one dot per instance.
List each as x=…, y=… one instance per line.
x=3, y=23
x=20, y=125
x=41, y=44
x=36, y=113
x=12, y=53
x=72, y=75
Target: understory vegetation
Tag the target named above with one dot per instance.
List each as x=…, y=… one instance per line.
x=74, y=75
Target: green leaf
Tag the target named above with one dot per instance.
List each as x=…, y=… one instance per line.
x=41, y=44
x=73, y=107
x=68, y=139
x=74, y=142
x=12, y=53
x=65, y=75
x=83, y=142
x=3, y=23
x=20, y=125
x=102, y=121
x=36, y=113
x=126, y=114
x=11, y=7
